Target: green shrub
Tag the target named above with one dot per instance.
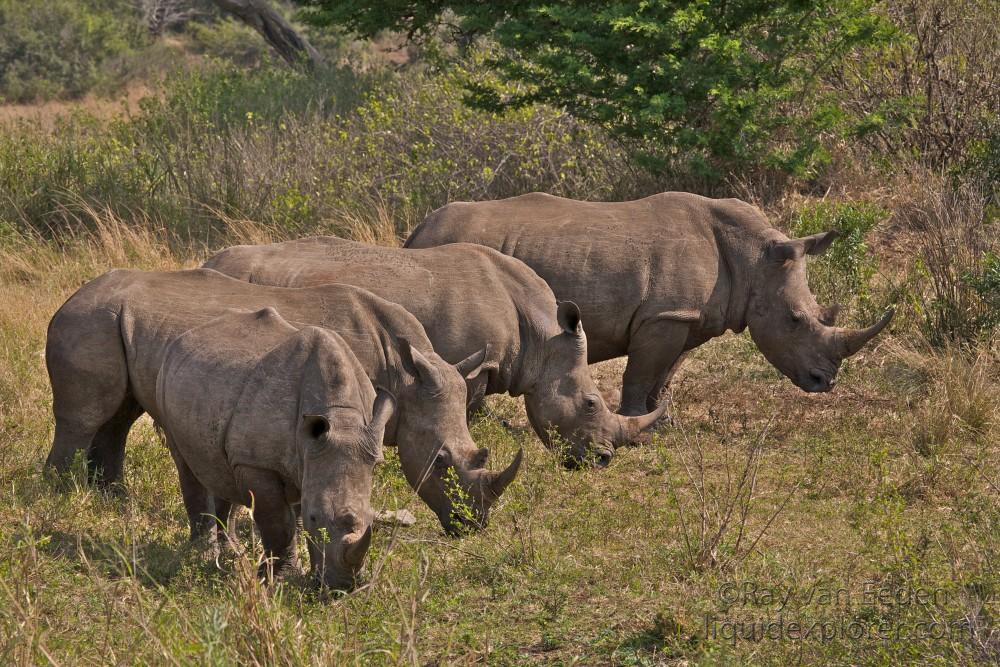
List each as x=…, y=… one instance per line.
x=959, y=245
x=702, y=86
x=985, y=281
x=64, y=48
x=298, y=153
x=844, y=272
x=228, y=39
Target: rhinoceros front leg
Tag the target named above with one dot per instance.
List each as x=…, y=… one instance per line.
x=225, y=534
x=654, y=351
x=197, y=501
x=275, y=518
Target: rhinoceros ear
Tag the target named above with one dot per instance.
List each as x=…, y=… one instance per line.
x=782, y=251
x=474, y=364
x=417, y=364
x=568, y=316
x=818, y=243
x=316, y=426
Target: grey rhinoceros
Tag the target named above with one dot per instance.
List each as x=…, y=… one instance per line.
x=469, y=297
x=106, y=344
x=281, y=418
x=659, y=276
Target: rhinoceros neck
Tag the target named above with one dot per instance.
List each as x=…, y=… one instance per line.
x=738, y=248
x=525, y=364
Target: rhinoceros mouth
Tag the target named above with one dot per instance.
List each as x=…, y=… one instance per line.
x=596, y=457
x=818, y=381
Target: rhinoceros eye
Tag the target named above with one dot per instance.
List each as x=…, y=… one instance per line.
x=443, y=459
x=797, y=317
x=591, y=403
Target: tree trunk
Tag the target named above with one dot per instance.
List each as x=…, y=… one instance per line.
x=258, y=14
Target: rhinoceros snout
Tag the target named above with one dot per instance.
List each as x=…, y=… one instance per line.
x=819, y=381
x=597, y=457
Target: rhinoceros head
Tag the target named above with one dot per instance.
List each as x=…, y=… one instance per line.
x=437, y=453
x=566, y=399
x=796, y=335
x=339, y=454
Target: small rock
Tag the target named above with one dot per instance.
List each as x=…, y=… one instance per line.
x=403, y=518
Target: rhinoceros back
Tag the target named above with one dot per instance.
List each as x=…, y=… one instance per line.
x=466, y=296
x=620, y=262
x=205, y=373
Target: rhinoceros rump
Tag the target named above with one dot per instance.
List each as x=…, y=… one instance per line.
x=106, y=343
x=266, y=414
x=467, y=297
x=659, y=276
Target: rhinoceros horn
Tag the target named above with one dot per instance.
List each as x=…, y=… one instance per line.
x=850, y=341
x=356, y=548
x=629, y=428
x=497, y=482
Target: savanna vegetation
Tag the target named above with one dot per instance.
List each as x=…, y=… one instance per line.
x=869, y=516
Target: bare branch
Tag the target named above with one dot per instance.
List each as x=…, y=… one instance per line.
x=273, y=27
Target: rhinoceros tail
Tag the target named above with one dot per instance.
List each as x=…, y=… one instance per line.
x=411, y=240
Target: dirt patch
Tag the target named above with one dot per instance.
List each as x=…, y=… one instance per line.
x=47, y=114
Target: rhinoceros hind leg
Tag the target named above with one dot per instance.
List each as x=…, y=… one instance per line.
x=70, y=438
x=654, y=349
x=90, y=392
x=106, y=456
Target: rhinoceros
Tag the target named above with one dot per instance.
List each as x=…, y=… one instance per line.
x=659, y=276
x=106, y=343
x=468, y=297
x=281, y=418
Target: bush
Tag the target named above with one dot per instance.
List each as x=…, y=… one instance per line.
x=985, y=282
x=64, y=48
x=932, y=94
x=299, y=154
x=958, y=243
x=844, y=272
x=702, y=86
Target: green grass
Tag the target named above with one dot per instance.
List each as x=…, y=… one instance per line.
x=841, y=500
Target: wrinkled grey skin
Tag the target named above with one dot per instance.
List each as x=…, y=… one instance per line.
x=659, y=276
x=106, y=344
x=268, y=415
x=468, y=297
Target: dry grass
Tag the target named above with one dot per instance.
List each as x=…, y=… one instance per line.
x=47, y=115
x=764, y=486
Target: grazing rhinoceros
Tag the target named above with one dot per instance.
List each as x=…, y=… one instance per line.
x=659, y=276
x=106, y=343
x=276, y=417
x=468, y=297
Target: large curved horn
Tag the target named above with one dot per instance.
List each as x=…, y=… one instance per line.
x=354, y=551
x=853, y=340
x=629, y=428
x=497, y=482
